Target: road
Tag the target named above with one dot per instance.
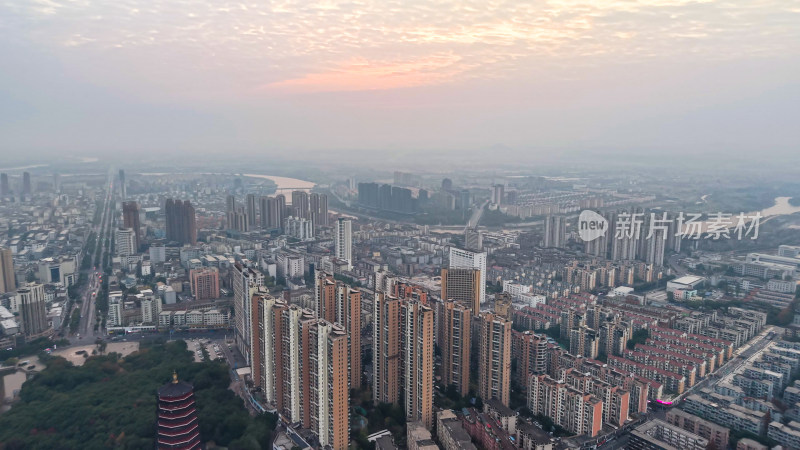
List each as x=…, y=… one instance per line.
x=235, y=360
x=755, y=346
x=477, y=213
x=88, y=308
x=620, y=443
x=673, y=264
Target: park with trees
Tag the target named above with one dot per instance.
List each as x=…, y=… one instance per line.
x=110, y=402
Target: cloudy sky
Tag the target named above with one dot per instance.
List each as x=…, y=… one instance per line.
x=512, y=77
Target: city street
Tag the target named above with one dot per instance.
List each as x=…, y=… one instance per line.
x=88, y=309
x=672, y=261
x=751, y=349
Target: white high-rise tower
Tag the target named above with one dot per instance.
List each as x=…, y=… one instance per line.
x=465, y=259
x=343, y=241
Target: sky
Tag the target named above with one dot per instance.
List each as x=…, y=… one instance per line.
x=494, y=79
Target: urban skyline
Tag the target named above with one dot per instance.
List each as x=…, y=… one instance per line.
x=385, y=225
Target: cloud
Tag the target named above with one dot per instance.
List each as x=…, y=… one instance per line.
x=363, y=74
x=290, y=46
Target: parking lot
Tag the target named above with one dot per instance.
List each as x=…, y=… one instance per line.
x=196, y=346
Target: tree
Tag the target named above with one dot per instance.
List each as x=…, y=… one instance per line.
x=75, y=320
x=639, y=337
x=110, y=402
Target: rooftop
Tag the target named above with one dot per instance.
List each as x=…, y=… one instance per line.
x=175, y=388
x=688, y=279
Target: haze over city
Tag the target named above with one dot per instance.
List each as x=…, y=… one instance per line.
x=390, y=225
x=516, y=79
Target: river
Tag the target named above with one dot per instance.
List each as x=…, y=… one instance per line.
x=285, y=183
x=780, y=208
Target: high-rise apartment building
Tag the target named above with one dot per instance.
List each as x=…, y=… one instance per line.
x=280, y=208
x=599, y=246
x=250, y=204
x=386, y=349
x=319, y=209
x=568, y=407
x=473, y=239
x=348, y=315
x=325, y=296
x=455, y=329
x=205, y=283
x=570, y=319
x=530, y=352
x=343, y=241
x=230, y=203
x=408, y=291
x=4, y=187
x=387, y=197
x=624, y=246
x=26, y=185
x=246, y=282
x=7, y=280
x=464, y=286
x=498, y=194
x=299, y=228
x=416, y=340
x=238, y=219
x=271, y=212
x=151, y=308
x=403, y=339
x=613, y=337
x=122, y=185
x=264, y=211
x=656, y=244
x=267, y=347
x=300, y=204
x=158, y=253
x=32, y=308
x=301, y=364
x=181, y=221
x=295, y=379
x=465, y=259
x=130, y=219
x=494, y=358
x=447, y=184
x=555, y=232
x=325, y=361
x=125, y=241
x=338, y=303
x=502, y=305
x=584, y=341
